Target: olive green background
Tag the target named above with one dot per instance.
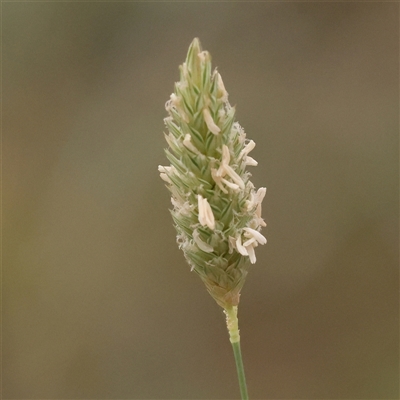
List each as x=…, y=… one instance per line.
x=98, y=302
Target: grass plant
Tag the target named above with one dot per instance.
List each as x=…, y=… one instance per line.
x=216, y=208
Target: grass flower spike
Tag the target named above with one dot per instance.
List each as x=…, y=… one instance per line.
x=216, y=208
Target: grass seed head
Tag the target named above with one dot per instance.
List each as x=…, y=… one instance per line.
x=216, y=209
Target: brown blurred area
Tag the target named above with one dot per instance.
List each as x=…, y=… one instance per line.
x=98, y=302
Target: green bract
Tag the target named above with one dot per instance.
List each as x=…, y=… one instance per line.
x=216, y=209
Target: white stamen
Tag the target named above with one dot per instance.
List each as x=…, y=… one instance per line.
x=260, y=221
x=226, y=155
x=256, y=235
x=250, y=203
x=259, y=197
x=166, y=169
x=189, y=145
x=226, y=169
x=247, y=149
x=206, y=216
x=201, y=244
x=240, y=248
x=258, y=210
x=234, y=176
x=231, y=185
x=165, y=178
x=250, y=161
x=211, y=125
x=255, y=200
x=249, y=242
x=218, y=180
x=252, y=254
x=221, y=89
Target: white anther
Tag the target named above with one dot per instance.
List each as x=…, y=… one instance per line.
x=252, y=233
x=206, y=216
x=226, y=169
x=252, y=254
x=247, y=149
x=189, y=145
x=242, y=250
x=231, y=185
x=218, y=180
x=211, y=125
x=234, y=176
x=249, y=242
x=165, y=178
x=200, y=243
x=250, y=161
x=223, y=94
x=259, y=197
x=166, y=169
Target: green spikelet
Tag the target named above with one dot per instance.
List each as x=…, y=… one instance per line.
x=216, y=209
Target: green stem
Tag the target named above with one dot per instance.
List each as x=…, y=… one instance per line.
x=234, y=337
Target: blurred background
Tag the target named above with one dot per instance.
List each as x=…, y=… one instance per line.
x=98, y=302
